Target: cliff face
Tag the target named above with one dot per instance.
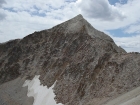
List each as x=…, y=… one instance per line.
x=88, y=66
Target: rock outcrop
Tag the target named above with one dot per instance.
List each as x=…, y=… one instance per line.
x=89, y=67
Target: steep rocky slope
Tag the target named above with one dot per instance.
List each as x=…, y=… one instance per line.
x=89, y=67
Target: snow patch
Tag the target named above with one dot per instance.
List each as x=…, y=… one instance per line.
x=42, y=95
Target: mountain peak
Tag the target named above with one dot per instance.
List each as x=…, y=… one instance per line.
x=77, y=23
x=78, y=17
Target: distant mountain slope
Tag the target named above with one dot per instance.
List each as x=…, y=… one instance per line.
x=88, y=66
x=129, y=98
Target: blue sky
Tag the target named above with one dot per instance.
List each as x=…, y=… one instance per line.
x=113, y=2
x=118, y=18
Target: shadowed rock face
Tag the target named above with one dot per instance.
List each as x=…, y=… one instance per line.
x=88, y=66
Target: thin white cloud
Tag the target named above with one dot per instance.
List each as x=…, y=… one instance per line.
x=22, y=5
x=100, y=9
x=133, y=29
x=128, y=43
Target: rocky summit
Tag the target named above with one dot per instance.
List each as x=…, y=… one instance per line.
x=85, y=66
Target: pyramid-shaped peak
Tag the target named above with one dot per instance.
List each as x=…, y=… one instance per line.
x=78, y=17
x=77, y=23
x=72, y=25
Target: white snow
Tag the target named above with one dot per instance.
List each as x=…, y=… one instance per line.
x=42, y=95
